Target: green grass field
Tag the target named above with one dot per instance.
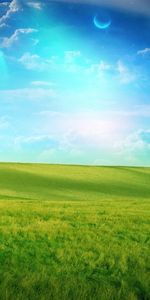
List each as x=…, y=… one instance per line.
x=72, y=232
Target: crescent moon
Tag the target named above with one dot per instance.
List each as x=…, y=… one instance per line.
x=101, y=25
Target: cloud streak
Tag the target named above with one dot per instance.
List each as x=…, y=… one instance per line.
x=8, y=41
x=35, y=5
x=144, y=52
x=125, y=75
x=136, y=6
x=13, y=7
x=34, y=62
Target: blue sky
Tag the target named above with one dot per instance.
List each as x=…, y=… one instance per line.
x=71, y=92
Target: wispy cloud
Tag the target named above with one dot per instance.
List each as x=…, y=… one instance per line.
x=117, y=70
x=2, y=25
x=27, y=94
x=4, y=4
x=38, y=141
x=93, y=129
x=13, y=7
x=70, y=63
x=135, y=147
x=9, y=41
x=136, y=6
x=125, y=75
x=35, y=5
x=34, y=62
x=39, y=83
x=141, y=111
x=99, y=68
x=144, y=52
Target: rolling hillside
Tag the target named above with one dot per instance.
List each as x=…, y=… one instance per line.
x=74, y=232
x=49, y=182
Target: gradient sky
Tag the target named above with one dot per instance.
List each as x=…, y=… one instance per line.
x=70, y=92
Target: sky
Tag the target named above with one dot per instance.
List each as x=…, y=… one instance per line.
x=73, y=90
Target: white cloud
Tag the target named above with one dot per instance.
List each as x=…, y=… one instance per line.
x=78, y=134
x=144, y=52
x=125, y=75
x=27, y=94
x=2, y=25
x=104, y=66
x=88, y=128
x=7, y=42
x=13, y=7
x=134, y=6
x=35, y=5
x=119, y=69
x=3, y=11
x=99, y=68
x=133, y=111
x=35, y=62
x=32, y=139
x=35, y=144
x=134, y=147
x=42, y=83
x=140, y=111
x=42, y=148
x=58, y=136
x=4, y=4
x=70, y=64
x=131, y=143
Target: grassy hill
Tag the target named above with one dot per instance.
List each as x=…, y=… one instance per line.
x=74, y=232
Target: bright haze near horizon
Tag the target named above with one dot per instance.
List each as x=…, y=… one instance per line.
x=75, y=82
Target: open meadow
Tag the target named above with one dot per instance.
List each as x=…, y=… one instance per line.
x=74, y=232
